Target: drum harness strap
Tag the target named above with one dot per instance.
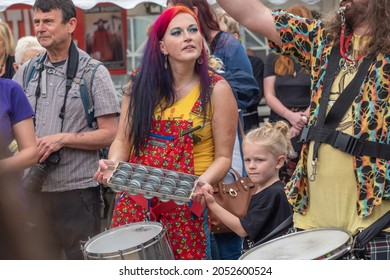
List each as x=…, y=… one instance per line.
x=366, y=235
x=324, y=131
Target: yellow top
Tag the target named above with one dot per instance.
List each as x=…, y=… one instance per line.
x=181, y=110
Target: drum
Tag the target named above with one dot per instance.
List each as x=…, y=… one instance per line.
x=316, y=244
x=136, y=241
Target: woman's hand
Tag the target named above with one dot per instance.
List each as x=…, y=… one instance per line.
x=106, y=167
x=296, y=119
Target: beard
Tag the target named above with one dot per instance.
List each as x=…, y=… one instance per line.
x=355, y=13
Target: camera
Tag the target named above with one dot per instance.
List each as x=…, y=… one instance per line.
x=37, y=175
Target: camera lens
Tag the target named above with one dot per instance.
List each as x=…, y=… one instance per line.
x=35, y=178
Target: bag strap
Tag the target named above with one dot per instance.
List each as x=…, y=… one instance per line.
x=347, y=143
x=235, y=173
x=244, y=182
x=35, y=63
x=86, y=83
x=325, y=129
x=86, y=91
x=278, y=231
x=340, y=107
x=372, y=231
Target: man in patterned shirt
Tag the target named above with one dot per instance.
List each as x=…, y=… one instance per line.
x=341, y=181
x=69, y=197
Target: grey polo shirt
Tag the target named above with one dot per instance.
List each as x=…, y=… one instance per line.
x=76, y=167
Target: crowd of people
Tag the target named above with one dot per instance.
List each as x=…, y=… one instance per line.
x=191, y=107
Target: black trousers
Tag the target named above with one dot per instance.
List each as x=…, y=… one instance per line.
x=15, y=242
x=63, y=221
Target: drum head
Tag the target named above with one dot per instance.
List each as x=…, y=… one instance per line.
x=124, y=238
x=304, y=245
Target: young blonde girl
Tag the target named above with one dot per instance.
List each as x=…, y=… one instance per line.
x=265, y=151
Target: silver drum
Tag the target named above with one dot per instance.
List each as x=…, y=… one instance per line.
x=136, y=241
x=314, y=244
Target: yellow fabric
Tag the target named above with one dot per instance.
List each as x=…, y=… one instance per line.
x=333, y=193
x=181, y=110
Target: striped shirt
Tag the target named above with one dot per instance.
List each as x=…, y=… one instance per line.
x=76, y=167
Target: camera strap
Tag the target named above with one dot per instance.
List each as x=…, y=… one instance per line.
x=73, y=61
x=40, y=67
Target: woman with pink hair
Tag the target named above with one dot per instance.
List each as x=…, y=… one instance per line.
x=177, y=114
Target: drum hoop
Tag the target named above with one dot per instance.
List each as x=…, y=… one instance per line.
x=133, y=249
x=345, y=247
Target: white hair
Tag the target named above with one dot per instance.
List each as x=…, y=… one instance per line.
x=27, y=44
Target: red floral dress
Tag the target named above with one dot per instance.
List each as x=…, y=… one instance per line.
x=187, y=225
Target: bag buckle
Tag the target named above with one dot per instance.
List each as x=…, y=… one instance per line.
x=233, y=192
x=345, y=143
x=304, y=134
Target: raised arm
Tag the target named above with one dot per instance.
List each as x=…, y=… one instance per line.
x=253, y=15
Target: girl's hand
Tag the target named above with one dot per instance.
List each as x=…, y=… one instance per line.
x=106, y=167
x=198, y=193
x=207, y=192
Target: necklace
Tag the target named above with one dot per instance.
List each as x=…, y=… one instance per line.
x=350, y=63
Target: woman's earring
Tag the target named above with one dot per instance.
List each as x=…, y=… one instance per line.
x=166, y=62
x=200, y=60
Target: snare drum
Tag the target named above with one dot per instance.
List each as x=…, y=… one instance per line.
x=136, y=241
x=316, y=244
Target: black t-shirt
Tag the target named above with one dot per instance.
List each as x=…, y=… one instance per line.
x=267, y=209
x=293, y=92
x=9, y=68
x=258, y=73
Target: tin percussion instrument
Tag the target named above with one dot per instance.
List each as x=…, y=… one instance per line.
x=152, y=182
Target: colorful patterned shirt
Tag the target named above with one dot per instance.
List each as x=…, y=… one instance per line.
x=305, y=41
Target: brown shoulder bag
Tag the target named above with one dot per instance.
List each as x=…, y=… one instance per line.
x=234, y=197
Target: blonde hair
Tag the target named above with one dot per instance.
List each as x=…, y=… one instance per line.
x=8, y=38
x=227, y=23
x=214, y=62
x=275, y=136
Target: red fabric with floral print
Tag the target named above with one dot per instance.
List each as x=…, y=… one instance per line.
x=167, y=149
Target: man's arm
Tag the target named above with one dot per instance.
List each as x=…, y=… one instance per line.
x=253, y=15
x=90, y=140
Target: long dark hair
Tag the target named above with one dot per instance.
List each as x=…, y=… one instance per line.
x=152, y=85
x=378, y=20
x=206, y=15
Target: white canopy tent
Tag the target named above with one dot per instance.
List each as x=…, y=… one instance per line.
x=129, y=4
x=86, y=4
